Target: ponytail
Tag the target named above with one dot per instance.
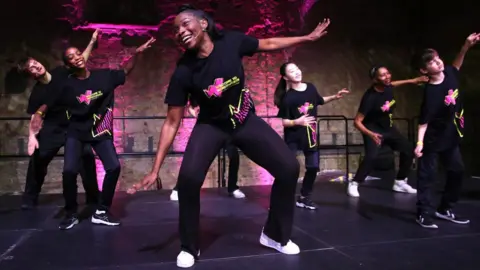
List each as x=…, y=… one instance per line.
x=280, y=92
x=281, y=89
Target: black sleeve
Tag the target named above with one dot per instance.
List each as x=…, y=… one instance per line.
x=177, y=92
x=192, y=101
x=365, y=104
x=318, y=98
x=248, y=45
x=117, y=77
x=283, y=111
x=452, y=70
x=427, y=108
x=37, y=99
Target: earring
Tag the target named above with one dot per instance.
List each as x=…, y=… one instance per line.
x=204, y=30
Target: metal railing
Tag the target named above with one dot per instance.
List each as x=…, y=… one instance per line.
x=221, y=164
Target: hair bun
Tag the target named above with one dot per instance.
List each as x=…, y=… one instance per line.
x=184, y=7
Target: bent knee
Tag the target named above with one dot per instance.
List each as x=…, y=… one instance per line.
x=114, y=168
x=289, y=167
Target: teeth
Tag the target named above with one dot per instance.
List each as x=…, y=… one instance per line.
x=186, y=38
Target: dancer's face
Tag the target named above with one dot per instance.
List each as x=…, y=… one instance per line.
x=293, y=74
x=35, y=68
x=434, y=66
x=383, y=76
x=188, y=30
x=74, y=58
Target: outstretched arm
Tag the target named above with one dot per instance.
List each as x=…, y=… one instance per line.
x=338, y=95
x=86, y=53
x=129, y=63
x=277, y=43
x=471, y=40
x=418, y=80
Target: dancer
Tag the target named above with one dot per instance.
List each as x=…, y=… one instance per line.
x=52, y=135
x=89, y=96
x=439, y=134
x=297, y=102
x=374, y=120
x=211, y=71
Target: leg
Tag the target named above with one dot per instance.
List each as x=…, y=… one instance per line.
x=233, y=165
x=399, y=143
x=88, y=172
x=49, y=145
x=453, y=163
x=365, y=167
x=107, y=154
x=311, y=166
x=72, y=156
x=265, y=147
x=204, y=144
x=426, y=173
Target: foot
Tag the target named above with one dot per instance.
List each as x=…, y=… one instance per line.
x=305, y=202
x=104, y=218
x=450, y=216
x=185, y=259
x=352, y=189
x=28, y=203
x=290, y=248
x=403, y=186
x=68, y=222
x=237, y=194
x=426, y=221
x=174, y=195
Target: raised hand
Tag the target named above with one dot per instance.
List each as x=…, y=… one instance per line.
x=472, y=39
x=146, y=45
x=95, y=36
x=341, y=93
x=319, y=31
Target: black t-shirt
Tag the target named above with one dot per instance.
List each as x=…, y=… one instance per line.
x=378, y=108
x=442, y=110
x=217, y=82
x=90, y=103
x=294, y=105
x=56, y=116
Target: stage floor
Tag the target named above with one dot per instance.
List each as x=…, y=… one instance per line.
x=374, y=232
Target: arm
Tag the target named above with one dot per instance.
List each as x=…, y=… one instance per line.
x=277, y=43
x=129, y=63
x=337, y=96
x=358, y=122
x=421, y=133
x=418, y=80
x=471, y=40
x=167, y=134
x=289, y=123
x=86, y=53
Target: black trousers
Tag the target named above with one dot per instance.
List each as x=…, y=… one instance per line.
x=51, y=139
x=395, y=140
x=452, y=161
x=262, y=145
x=107, y=154
x=312, y=160
x=233, y=167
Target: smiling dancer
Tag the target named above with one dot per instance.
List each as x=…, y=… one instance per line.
x=297, y=102
x=374, y=120
x=211, y=71
x=52, y=136
x=439, y=135
x=89, y=97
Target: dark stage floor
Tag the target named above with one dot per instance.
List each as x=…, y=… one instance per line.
x=376, y=231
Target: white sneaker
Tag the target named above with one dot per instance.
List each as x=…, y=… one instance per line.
x=290, y=248
x=174, y=195
x=352, y=189
x=403, y=186
x=185, y=259
x=238, y=194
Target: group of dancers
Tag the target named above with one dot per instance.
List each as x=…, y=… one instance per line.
x=72, y=106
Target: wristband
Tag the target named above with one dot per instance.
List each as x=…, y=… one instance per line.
x=419, y=143
x=39, y=113
x=292, y=122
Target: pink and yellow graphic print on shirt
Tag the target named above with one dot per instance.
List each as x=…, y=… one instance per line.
x=312, y=128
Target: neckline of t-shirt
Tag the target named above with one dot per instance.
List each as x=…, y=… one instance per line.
x=296, y=90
